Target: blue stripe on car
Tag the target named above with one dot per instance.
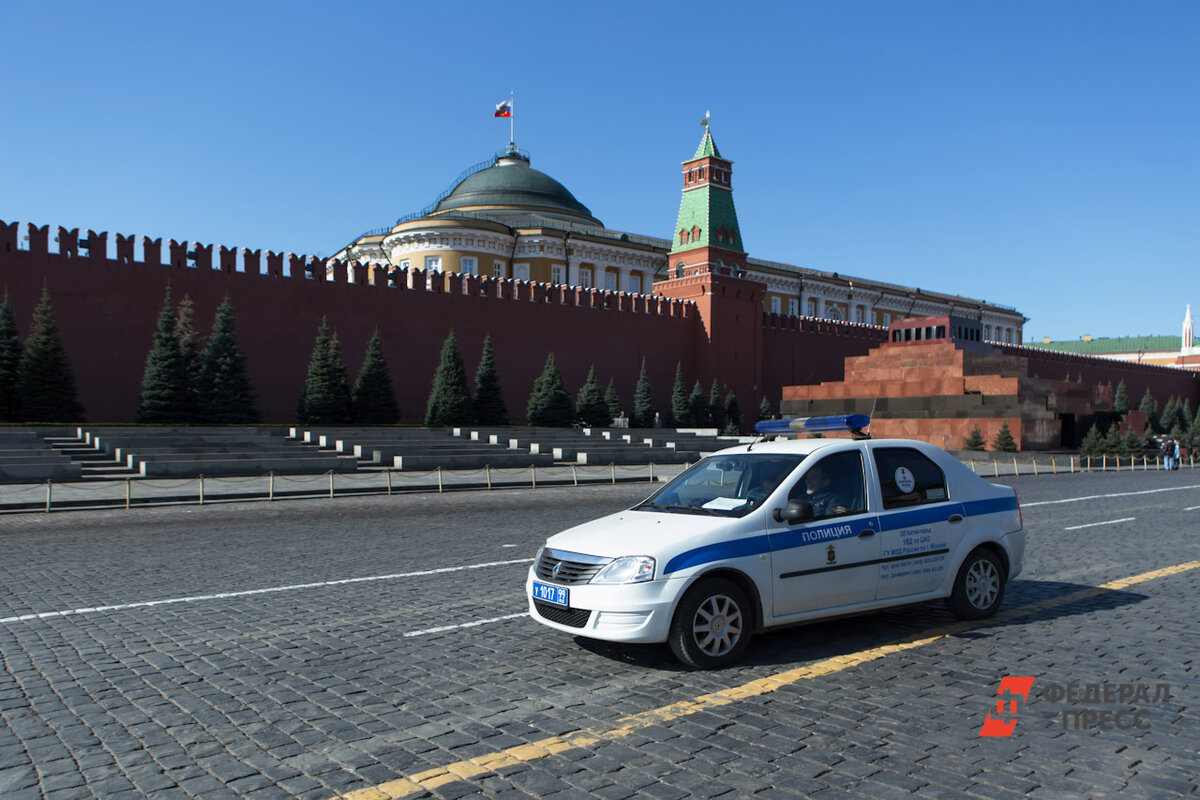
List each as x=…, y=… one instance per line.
x=788, y=539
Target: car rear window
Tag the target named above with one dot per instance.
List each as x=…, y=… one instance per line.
x=907, y=477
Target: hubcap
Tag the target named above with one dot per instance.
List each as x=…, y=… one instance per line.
x=717, y=626
x=983, y=584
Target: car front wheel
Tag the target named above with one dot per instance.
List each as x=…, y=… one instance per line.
x=979, y=587
x=711, y=627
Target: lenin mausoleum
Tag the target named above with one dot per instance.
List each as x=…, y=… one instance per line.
x=509, y=252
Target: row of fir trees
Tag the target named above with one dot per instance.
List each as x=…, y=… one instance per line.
x=1174, y=421
x=36, y=380
x=550, y=404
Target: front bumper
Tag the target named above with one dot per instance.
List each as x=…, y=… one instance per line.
x=625, y=612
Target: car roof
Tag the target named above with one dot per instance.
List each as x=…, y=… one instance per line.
x=810, y=446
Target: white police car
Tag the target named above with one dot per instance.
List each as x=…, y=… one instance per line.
x=779, y=532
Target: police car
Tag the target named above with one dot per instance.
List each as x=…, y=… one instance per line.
x=779, y=532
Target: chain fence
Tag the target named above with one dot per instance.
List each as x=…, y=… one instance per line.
x=140, y=492
x=205, y=489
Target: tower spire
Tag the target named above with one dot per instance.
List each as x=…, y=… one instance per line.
x=1187, y=331
x=707, y=231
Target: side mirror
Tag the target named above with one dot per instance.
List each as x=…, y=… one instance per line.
x=796, y=511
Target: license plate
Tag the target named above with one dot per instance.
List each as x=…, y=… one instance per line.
x=557, y=595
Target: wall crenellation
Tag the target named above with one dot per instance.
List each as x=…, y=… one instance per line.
x=231, y=260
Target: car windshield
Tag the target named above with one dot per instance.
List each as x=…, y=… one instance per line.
x=723, y=485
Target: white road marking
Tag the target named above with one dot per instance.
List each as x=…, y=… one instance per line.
x=1094, y=524
x=250, y=592
x=1192, y=508
x=1105, y=496
x=474, y=624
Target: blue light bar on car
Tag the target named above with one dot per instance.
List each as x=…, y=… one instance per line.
x=842, y=422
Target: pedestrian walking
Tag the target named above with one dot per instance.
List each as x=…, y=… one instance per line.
x=1175, y=455
x=1168, y=454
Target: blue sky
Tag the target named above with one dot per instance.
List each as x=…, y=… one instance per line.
x=1042, y=155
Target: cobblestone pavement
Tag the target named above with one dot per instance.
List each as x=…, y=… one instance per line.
x=313, y=648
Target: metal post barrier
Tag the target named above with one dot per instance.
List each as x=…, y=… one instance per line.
x=1035, y=472
x=533, y=475
x=487, y=468
x=439, y=471
x=574, y=474
x=270, y=485
x=996, y=467
x=201, y=477
x=652, y=472
x=49, y=494
x=972, y=465
x=331, y=483
x=1145, y=463
x=1118, y=460
x=1053, y=465
x=614, y=472
x=389, y=480
x=1016, y=470
x=1104, y=463
x=1072, y=465
x=128, y=492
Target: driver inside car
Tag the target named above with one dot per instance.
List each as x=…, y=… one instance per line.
x=830, y=491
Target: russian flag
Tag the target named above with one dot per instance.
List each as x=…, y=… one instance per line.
x=504, y=109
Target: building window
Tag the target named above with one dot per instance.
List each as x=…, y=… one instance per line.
x=468, y=266
x=887, y=318
x=610, y=281
x=557, y=273
x=812, y=306
x=635, y=283
x=987, y=333
x=679, y=270
x=683, y=237
x=793, y=307
x=859, y=314
x=775, y=303
x=732, y=235
x=433, y=263
x=521, y=272
x=404, y=264
x=585, y=277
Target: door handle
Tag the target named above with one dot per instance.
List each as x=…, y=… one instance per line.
x=865, y=533
x=955, y=518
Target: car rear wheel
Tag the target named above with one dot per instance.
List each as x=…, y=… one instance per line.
x=979, y=587
x=711, y=627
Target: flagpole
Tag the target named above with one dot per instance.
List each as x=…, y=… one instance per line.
x=512, y=120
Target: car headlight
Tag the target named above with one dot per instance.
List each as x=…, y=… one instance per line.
x=629, y=569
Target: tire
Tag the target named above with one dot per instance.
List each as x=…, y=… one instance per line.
x=979, y=586
x=711, y=627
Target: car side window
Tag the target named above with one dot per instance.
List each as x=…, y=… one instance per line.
x=907, y=477
x=833, y=486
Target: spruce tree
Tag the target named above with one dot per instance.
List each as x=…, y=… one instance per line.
x=1114, y=440
x=45, y=382
x=1004, y=442
x=1170, y=415
x=10, y=360
x=490, y=408
x=716, y=408
x=1149, y=407
x=226, y=396
x=1185, y=413
x=643, y=401
x=590, y=407
x=679, y=414
x=190, y=347
x=1121, y=399
x=612, y=400
x=1093, y=442
x=549, y=404
x=975, y=440
x=732, y=414
x=326, y=397
x=374, y=395
x=1133, y=442
x=449, y=401
x=167, y=395
x=698, y=406
x=764, y=408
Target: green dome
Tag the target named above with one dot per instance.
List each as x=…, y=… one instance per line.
x=511, y=183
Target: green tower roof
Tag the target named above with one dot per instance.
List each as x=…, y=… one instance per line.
x=708, y=207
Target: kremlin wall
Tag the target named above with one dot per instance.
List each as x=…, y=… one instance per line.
x=473, y=264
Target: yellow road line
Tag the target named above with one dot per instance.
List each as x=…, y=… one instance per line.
x=481, y=765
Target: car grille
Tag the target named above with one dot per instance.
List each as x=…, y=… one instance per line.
x=573, y=617
x=572, y=568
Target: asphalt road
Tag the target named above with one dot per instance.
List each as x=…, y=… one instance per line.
x=313, y=648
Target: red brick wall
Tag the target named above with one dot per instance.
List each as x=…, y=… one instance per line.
x=107, y=311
